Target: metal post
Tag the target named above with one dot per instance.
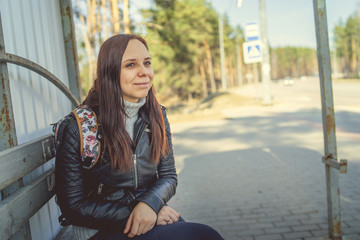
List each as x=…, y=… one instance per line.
x=222, y=52
x=8, y=137
x=7, y=126
x=70, y=48
x=265, y=66
x=332, y=174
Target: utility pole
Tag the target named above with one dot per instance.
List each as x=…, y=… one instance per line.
x=222, y=52
x=265, y=66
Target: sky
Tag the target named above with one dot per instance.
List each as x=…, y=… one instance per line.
x=289, y=22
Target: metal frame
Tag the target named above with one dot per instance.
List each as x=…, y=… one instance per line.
x=8, y=133
x=8, y=137
x=70, y=47
x=20, y=202
x=11, y=58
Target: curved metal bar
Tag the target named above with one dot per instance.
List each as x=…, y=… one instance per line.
x=11, y=58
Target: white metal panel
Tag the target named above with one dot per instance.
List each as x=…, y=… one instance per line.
x=32, y=29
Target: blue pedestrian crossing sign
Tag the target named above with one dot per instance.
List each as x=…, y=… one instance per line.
x=252, y=52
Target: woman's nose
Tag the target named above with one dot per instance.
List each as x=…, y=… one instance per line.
x=143, y=71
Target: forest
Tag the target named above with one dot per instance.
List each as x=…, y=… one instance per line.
x=183, y=39
x=347, y=46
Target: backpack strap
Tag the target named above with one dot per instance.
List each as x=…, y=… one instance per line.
x=88, y=127
x=163, y=107
x=55, y=135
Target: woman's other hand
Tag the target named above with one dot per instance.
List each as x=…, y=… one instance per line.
x=167, y=215
x=141, y=220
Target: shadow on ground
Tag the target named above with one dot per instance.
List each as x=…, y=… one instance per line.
x=274, y=189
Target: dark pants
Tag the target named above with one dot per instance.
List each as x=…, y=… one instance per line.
x=180, y=230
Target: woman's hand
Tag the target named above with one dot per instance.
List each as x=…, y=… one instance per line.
x=141, y=220
x=167, y=215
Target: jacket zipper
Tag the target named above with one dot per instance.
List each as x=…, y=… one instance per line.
x=135, y=170
x=142, y=129
x=131, y=196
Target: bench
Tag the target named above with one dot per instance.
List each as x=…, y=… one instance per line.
x=20, y=202
x=18, y=207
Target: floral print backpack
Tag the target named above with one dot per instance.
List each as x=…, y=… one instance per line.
x=88, y=129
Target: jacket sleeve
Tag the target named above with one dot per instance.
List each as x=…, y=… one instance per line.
x=163, y=189
x=71, y=189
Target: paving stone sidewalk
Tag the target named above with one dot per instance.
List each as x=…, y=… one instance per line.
x=261, y=177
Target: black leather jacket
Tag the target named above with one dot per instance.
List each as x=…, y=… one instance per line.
x=102, y=197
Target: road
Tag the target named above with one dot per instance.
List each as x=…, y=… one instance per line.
x=307, y=93
x=257, y=174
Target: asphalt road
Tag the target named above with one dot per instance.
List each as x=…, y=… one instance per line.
x=307, y=92
x=257, y=174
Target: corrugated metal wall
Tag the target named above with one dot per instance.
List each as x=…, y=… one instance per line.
x=33, y=30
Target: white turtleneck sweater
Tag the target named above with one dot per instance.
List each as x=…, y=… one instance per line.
x=132, y=112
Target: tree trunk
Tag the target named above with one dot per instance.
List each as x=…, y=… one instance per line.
x=274, y=65
x=115, y=17
x=89, y=53
x=248, y=76
x=203, y=80
x=105, y=22
x=353, y=56
x=91, y=17
x=98, y=28
x=239, y=62
x=233, y=71
x=357, y=60
x=126, y=18
x=293, y=69
x=229, y=72
x=256, y=73
x=210, y=67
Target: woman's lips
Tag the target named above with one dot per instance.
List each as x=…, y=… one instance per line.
x=142, y=84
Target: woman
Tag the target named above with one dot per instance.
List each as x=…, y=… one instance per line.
x=124, y=194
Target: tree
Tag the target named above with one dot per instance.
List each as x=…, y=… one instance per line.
x=97, y=20
x=293, y=61
x=347, y=43
x=188, y=57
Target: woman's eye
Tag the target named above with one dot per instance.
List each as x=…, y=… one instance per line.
x=147, y=63
x=130, y=64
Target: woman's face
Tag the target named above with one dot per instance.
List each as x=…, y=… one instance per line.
x=136, y=72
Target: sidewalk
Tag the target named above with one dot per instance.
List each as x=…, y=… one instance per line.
x=258, y=175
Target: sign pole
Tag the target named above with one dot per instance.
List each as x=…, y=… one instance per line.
x=332, y=174
x=265, y=66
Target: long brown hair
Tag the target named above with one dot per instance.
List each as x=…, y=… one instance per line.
x=106, y=94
